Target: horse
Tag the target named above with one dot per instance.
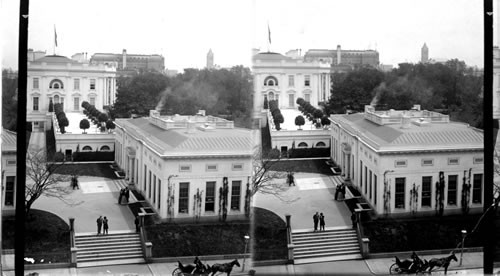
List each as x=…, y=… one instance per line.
x=442, y=262
x=226, y=267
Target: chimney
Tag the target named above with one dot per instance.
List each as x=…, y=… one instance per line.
x=124, y=57
x=338, y=54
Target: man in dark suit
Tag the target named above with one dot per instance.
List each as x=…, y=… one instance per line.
x=315, y=220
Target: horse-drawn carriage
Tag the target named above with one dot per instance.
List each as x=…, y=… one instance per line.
x=200, y=269
x=417, y=265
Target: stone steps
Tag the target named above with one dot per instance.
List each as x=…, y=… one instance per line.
x=324, y=246
x=115, y=248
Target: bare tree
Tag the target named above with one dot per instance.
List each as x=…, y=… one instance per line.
x=42, y=179
x=265, y=178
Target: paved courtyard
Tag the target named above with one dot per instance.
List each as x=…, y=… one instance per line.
x=96, y=196
x=312, y=193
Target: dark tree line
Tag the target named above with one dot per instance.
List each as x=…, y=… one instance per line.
x=9, y=99
x=224, y=92
x=451, y=88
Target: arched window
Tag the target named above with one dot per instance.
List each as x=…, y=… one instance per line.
x=302, y=145
x=320, y=144
x=105, y=148
x=56, y=84
x=271, y=81
x=87, y=148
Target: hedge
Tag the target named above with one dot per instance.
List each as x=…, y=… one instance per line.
x=309, y=152
x=94, y=156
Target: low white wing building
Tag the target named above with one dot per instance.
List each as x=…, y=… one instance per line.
x=181, y=164
x=9, y=179
x=410, y=162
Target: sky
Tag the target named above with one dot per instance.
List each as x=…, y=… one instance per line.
x=184, y=31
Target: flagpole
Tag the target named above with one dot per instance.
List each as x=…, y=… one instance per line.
x=54, y=42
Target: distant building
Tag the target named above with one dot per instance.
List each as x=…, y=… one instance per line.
x=180, y=164
x=496, y=83
x=9, y=179
x=130, y=62
x=210, y=59
x=171, y=73
x=385, y=67
x=63, y=80
x=342, y=60
x=399, y=159
x=424, y=54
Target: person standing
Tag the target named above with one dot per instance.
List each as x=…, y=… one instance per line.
x=292, y=179
x=337, y=191
x=99, y=225
x=136, y=221
x=353, y=219
x=105, y=226
x=120, y=197
x=127, y=194
x=76, y=183
x=342, y=191
x=321, y=222
x=315, y=220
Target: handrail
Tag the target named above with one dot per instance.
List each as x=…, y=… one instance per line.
x=359, y=230
x=142, y=234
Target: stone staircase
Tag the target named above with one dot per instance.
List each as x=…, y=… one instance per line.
x=333, y=244
x=120, y=247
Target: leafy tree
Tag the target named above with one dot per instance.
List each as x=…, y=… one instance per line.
x=84, y=124
x=317, y=113
x=63, y=123
x=278, y=120
x=9, y=99
x=325, y=121
x=110, y=124
x=353, y=90
x=102, y=117
x=42, y=179
x=299, y=121
x=139, y=93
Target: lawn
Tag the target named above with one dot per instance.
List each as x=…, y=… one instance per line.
x=96, y=169
x=170, y=240
x=46, y=237
x=270, y=236
x=391, y=235
x=308, y=166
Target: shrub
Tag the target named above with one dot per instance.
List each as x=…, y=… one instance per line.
x=84, y=124
x=299, y=121
x=110, y=124
x=309, y=152
x=325, y=121
x=59, y=157
x=94, y=156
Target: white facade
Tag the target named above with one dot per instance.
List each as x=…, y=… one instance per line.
x=283, y=78
x=396, y=159
x=66, y=81
x=9, y=179
x=173, y=159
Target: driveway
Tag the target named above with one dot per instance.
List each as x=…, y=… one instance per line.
x=312, y=193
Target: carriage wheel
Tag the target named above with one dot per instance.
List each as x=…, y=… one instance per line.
x=394, y=269
x=177, y=272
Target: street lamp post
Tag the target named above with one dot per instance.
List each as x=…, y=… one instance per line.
x=464, y=234
x=247, y=238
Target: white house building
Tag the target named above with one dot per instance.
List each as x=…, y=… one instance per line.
x=63, y=80
x=408, y=162
x=180, y=164
x=286, y=78
x=9, y=180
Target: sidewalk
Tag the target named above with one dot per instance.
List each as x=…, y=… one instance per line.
x=472, y=260
x=153, y=269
